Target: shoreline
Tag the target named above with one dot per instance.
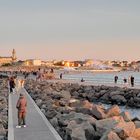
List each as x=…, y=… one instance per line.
x=91, y=83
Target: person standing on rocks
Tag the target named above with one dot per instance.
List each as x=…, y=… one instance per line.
x=132, y=81
x=125, y=82
x=61, y=76
x=21, y=107
x=116, y=79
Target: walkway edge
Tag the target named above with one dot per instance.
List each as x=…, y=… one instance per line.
x=54, y=132
x=10, y=120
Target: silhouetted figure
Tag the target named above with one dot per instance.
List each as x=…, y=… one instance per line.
x=125, y=80
x=82, y=80
x=132, y=81
x=61, y=76
x=52, y=71
x=115, y=79
x=11, y=84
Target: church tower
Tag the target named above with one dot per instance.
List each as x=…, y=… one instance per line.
x=14, y=58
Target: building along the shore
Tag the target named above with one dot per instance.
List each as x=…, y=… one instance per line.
x=32, y=62
x=8, y=60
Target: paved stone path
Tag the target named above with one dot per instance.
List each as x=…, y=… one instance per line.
x=38, y=127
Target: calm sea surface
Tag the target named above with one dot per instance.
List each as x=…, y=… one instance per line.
x=102, y=77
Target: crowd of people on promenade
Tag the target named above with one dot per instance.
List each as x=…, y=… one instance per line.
x=130, y=81
x=43, y=74
x=15, y=85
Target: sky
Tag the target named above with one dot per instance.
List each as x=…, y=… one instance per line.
x=70, y=29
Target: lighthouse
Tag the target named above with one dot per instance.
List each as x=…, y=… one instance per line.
x=14, y=58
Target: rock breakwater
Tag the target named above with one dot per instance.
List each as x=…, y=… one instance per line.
x=68, y=108
x=3, y=109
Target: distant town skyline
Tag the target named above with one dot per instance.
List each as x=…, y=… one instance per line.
x=71, y=30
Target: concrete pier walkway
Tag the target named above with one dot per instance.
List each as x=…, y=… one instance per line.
x=38, y=127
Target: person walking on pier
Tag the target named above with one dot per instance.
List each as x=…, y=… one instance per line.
x=12, y=84
x=21, y=106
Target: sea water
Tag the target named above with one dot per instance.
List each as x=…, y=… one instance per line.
x=103, y=77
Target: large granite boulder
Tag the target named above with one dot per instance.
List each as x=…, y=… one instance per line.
x=113, y=111
x=51, y=113
x=78, y=117
x=110, y=136
x=2, y=130
x=136, y=134
x=80, y=131
x=65, y=94
x=107, y=124
x=125, y=129
x=74, y=103
x=126, y=116
x=137, y=124
x=98, y=112
x=119, y=99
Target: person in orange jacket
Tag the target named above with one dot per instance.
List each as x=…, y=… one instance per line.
x=21, y=106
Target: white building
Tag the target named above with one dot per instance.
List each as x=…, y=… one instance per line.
x=33, y=62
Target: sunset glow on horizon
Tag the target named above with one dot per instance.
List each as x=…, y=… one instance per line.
x=71, y=30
